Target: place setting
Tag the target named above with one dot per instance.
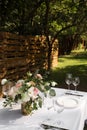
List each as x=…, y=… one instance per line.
x=54, y=110
x=72, y=82
x=54, y=122
x=68, y=100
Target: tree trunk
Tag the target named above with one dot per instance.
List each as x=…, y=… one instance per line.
x=49, y=55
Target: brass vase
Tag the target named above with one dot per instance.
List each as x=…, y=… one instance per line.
x=26, y=108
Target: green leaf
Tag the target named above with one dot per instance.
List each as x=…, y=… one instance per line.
x=40, y=102
x=35, y=106
x=52, y=92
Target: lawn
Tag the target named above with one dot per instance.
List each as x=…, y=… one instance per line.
x=75, y=63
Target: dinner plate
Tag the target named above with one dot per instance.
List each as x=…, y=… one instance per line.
x=67, y=101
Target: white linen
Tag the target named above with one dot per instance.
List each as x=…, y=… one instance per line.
x=72, y=119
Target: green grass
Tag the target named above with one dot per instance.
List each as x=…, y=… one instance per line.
x=75, y=63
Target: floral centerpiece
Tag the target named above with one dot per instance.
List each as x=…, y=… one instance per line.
x=27, y=91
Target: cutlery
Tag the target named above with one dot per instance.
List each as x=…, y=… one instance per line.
x=74, y=94
x=45, y=126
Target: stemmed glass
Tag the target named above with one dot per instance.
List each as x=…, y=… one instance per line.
x=58, y=109
x=68, y=80
x=76, y=82
x=48, y=101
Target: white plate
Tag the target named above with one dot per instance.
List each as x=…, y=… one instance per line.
x=67, y=101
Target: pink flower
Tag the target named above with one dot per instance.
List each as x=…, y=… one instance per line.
x=33, y=93
x=36, y=91
x=39, y=76
x=18, y=85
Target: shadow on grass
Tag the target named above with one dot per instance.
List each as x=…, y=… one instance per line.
x=77, y=56
x=59, y=75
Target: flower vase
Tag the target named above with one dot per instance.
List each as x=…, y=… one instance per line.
x=26, y=108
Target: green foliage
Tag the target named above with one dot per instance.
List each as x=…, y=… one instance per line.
x=8, y=101
x=53, y=18
x=29, y=17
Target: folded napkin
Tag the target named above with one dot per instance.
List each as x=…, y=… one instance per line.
x=54, y=124
x=50, y=127
x=75, y=94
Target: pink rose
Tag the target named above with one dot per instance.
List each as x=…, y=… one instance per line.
x=36, y=91
x=18, y=85
x=39, y=76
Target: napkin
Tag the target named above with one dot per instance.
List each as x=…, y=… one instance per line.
x=74, y=94
x=50, y=127
x=53, y=124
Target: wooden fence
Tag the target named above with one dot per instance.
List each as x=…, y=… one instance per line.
x=19, y=54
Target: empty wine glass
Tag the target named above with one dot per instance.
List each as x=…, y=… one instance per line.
x=68, y=80
x=48, y=102
x=76, y=82
x=58, y=109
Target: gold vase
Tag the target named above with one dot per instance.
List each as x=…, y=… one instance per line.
x=26, y=108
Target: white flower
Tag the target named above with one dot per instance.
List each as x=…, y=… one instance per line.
x=47, y=84
x=32, y=93
x=11, y=92
x=29, y=74
x=4, y=81
x=20, y=81
x=53, y=83
x=25, y=97
x=31, y=83
x=42, y=87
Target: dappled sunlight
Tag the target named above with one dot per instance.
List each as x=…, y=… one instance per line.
x=71, y=64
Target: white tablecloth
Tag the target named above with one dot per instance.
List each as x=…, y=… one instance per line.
x=72, y=118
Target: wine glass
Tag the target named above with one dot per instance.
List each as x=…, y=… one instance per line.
x=68, y=80
x=58, y=109
x=48, y=100
x=75, y=82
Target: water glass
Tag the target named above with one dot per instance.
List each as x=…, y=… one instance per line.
x=76, y=81
x=68, y=80
x=58, y=108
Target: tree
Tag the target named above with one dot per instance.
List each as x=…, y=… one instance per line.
x=56, y=18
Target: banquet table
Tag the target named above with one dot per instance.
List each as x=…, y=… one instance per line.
x=71, y=118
